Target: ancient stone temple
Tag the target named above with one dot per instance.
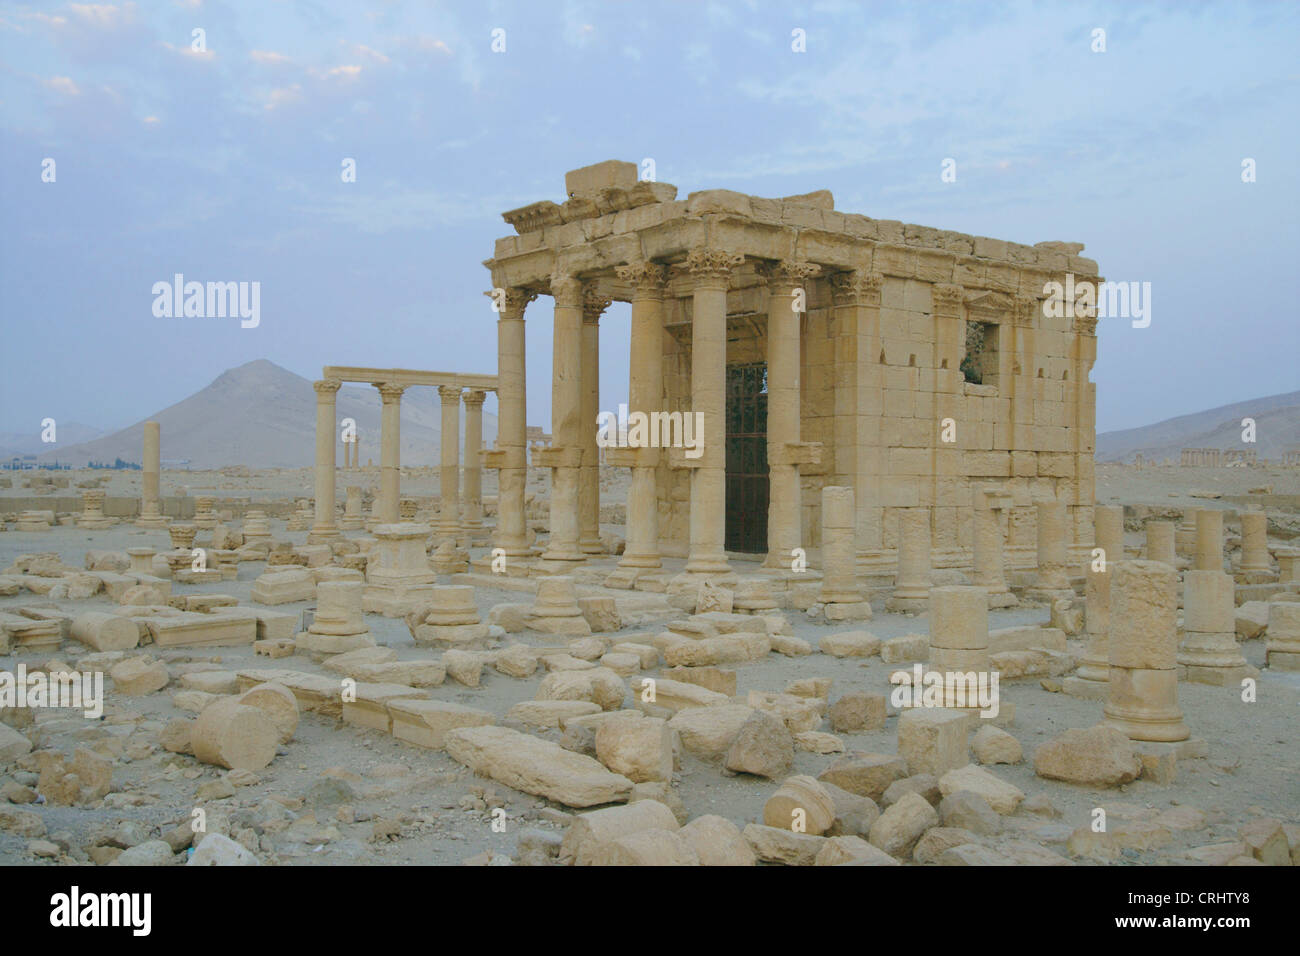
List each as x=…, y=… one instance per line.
x=778, y=347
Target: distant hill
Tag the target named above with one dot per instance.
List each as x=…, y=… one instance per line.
x=1277, y=429
x=264, y=416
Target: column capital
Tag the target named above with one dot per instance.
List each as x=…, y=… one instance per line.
x=1024, y=309
x=947, y=298
x=647, y=279
x=390, y=392
x=326, y=387
x=856, y=288
x=474, y=397
x=712, y=266
x=785, y=274
x=593, y=304
x=566, y=290
x=510, y=303
x=449, y=393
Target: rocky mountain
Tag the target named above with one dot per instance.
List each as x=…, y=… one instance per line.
x=264, y=416
x=1277, y=429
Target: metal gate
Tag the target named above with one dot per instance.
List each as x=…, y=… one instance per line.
x=747, y=479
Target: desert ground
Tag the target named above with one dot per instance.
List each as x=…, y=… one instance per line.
x=340, y=792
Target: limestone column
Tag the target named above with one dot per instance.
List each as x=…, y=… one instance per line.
x=1053, y=578
x=593, y=304
x=841, y=596
x=1254, y=543
x=989, y=570
x=390, y=464
x=1160, y=542
x=1143, y=699
x=784, y=526
x=912, y=584
x=645, y=395
x=472, y=501
x=567, y=423
x=1094, y=664
x=449, y=463
x=512, y=426
x=711, y=270
x=1282, y=640
x=325, y=525
x=959, y=630
x=150, y=502
x=1209, y=650
x=857, y=307
x=1209, y=540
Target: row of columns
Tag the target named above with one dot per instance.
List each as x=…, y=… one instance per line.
x=575, y=391
x=451, y=520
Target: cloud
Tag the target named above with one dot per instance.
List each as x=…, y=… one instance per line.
x=268, y=57
x=284, y=96
x=64, y=85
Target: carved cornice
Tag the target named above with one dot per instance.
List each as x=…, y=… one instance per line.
x=947, y=298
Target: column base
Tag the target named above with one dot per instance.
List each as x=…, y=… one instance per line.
x=591, y=547
x=1156, y=728
x=1003, y=598
x=1085, y=688
x=1049, y=595
x=905, y=600
x=1216, y=675
x=155, y=522
x=706, y=564
x=319, y=535
x=549, y=564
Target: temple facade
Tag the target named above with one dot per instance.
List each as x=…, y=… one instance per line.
x=922, y=368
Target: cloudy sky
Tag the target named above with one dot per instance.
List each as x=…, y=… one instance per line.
x=221, y=160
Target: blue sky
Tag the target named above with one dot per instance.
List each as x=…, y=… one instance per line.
x=224, y=164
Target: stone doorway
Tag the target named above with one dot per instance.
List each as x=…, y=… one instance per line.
x=747, y=476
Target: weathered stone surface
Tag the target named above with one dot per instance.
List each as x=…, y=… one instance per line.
x=235, y=735
x=550, y=713
x=12, y=744
x=852, y=850
x=901, y=825
x=763, y=746
x=536, y=766
x=717, y=842
x=1096, y=756
x=992, y=745
x=600, y=685
x=589, y=831
x=865, y=774
x=278, y=703
x=926, y=784
x=709, y=731
x=641, y=749
x=905, y=649
x=426, y=722
x=1266, y=841
x=139, y=676
x=645, y=848
x=850, y=644
x=938, y=839
x=1001, y=796
x=969, y=811
x=933, y=739
x=800, y=804
x=780, y=845
x=219, y=850
x=857, y=713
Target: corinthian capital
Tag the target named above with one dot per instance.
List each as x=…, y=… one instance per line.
x=510, y=303
x=566, y=290
x=856, y=288
x=647, y=278
x=326, y=387
x=712, y=265
x=593, y=303
x=390, y=392
x=787, y=273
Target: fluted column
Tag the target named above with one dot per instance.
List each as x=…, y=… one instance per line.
x=784, y=527
x=390, y=444
x=645, y=395
x=512, y=425
x=472, y=500
x=325, y=525
x=593, y=304
x=565, y=455
x=711, y=270
x=449, y=463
